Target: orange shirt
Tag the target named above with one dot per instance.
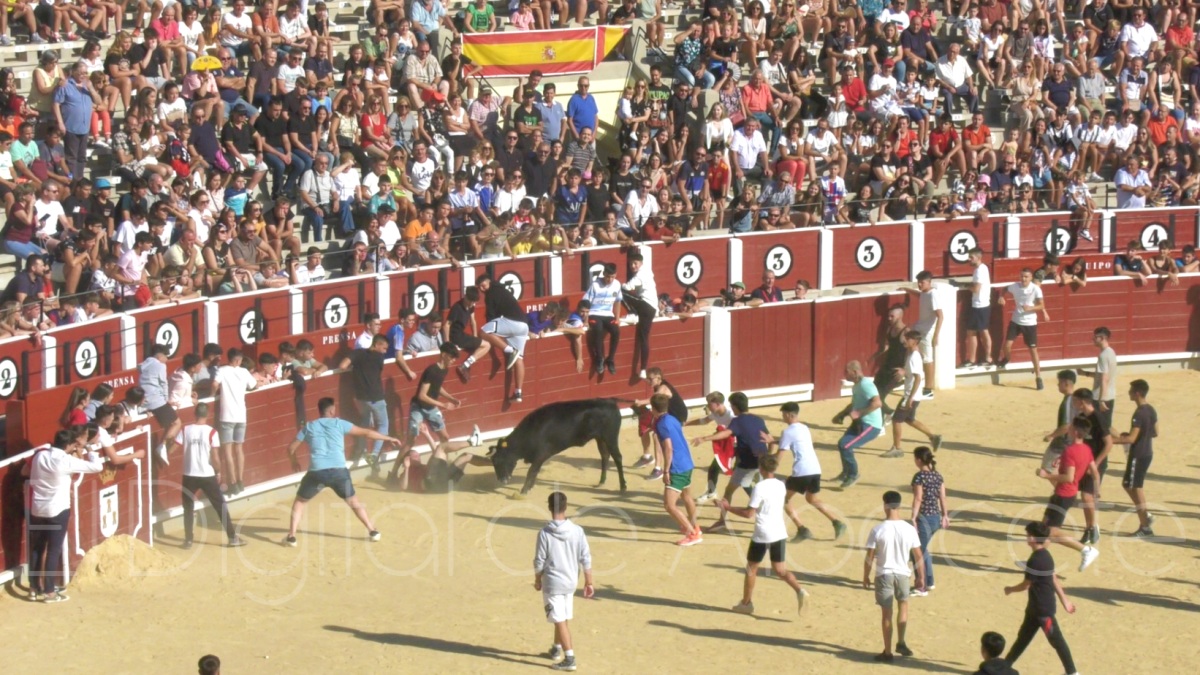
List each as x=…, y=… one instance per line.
x=757, y=100
x=1158, y=128
x=416, y=229
x=982, y=135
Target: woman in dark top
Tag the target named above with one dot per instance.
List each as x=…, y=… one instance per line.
x=217, y=254
x=20, y=230
x=929, y=508
x=860, y=209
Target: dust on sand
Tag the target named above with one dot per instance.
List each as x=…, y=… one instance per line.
x=450, y=586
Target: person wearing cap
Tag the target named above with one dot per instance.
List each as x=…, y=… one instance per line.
x=882, y=92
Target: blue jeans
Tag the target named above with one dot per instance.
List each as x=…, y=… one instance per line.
x=301, y=162
x=849, y=442
x=346, y=217
x=374, y=416
x=315, y=221
x=770, y=130
x=965, y=92
x=22, y=250
x=926, y=526
x=276, y=166
x=706, y=80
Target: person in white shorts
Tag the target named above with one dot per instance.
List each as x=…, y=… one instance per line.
x=562, y=548
x=506, y=329
x=929, y=324
x=890, y=546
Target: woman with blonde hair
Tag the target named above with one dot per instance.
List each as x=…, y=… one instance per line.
x=120, y=71
x=718, y=129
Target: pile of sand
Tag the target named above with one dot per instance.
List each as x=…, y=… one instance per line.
x=119, y=560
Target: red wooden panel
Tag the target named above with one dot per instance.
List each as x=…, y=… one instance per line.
x=180, y=327
x=111, y=503
x=870, y=254
x=340, y=303
x=702, y=262
x=246, y=318
x=527, y=277
x=1009, y=269
x=1043, y=233
x=88, y=350
x=425, y=290
x=20, y=368
x=790, y=254
x=39, y=419
x=947, y=241
x=1150, y=226
x=12, y=509
x=753, y=366
x=844, y=330
x=579, y=271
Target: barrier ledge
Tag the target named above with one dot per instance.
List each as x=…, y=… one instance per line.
x=800, y=393
x=1186, y=359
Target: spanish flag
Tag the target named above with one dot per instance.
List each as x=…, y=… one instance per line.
x=554, y=52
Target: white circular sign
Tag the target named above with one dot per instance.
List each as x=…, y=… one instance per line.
x=688, y=269
x=87, y=359
x=779, y=260
x=424, y=299
x=512, y=281
x=869, y=253
x=961, y=244
x=596, y=271
x=337, y=312
x=168, y=336
x=8, y=377
x=248, y=327
x=1058, y=241
x=1153, y=235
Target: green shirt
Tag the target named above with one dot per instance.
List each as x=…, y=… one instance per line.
x=480, y=19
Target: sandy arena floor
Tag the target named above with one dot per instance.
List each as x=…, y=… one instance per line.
x=449, y=588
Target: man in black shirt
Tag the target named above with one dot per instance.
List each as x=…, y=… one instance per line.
x=1140, y=439
x=242, y=143
x=366, y=375
x=1043, y=586
x=527, y=120
x=78, y=205
x=462, y=316
x=657, y=91
x=1100, y=440
x=151, y=57
x=505, y=329
x=509, y=156
x=540, y=171
x=277, y=149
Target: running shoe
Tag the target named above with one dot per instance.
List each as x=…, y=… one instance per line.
x=1088, y=557
x=35, y=39
x=1095, y=178
x=612, y=367
x=887, y=417
x=936, y=440
x=1040, y=384
x=1086, y=234
x=645, y=460
x=839, y=528
x=474, y=439
x=1002, y=363
x=968, y=365
x=51, y=598
x=236, y=542
x=903, y=650
x=928, y=394
x=510, y=359
x=289, y=541
x=849, y=481
x=917, y=593
x=567, y=664
x=744, y=608
x=464, y=373
x=5, y=41
x=1144, y=533
x=34, y=596
x=707, y=496
x=161, y=453
x=885, y=657
x=600, y=368
x=1087, y=536
x=893, y=453
x=642, y=374
x=374, y=535
x=517, y=396
x=656, y=474
x=802, y=534
x=186, y=545
x=692, y=539
x=801, y=596
x=555, y=653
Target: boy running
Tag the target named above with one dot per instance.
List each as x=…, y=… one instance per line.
x=677, y=408
x=770, y=533
x=1043, y=586
x=1100, y=441
x=906, y=410
x=746, y=429
x=562, y=548
x=1029, y=301
x=806, y=470
x=722, y=461
x=677, y=457
x=1076, y=460
x=1140, y=439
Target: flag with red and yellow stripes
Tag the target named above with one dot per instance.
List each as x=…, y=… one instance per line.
x=554, y=52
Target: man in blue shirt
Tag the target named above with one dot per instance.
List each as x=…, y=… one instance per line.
x=866, y=425
x=677, y=457
x=748, y=432
x=326, y=438
x=582, y=109
x=552, y=114
x=73, y=103
x=427, y=17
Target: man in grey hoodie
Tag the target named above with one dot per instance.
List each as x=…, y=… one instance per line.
x=562, y=548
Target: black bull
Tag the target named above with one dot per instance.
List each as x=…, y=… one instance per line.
x=552, y=428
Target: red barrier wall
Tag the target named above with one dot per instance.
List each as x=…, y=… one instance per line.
x=1151, y=226
x=180, y=327
x=790, y=254
x=948, y=240
x=1043, y=233
x=526, y=277
x=579, y=271
x=244, y=319
x=1009, y=269
x=786, y=323
x=870, y=254
x=426, y=290
x=88, y=350
x=338, y=303
x=20, y=368
x=702, y=262
x=846, y=330
x=111, y=503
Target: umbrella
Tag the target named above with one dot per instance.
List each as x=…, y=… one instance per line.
x=206, y=62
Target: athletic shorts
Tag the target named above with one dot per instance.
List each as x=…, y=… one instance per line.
x=723, y=453
x=758, y=551
x=166, y=416
x=680, y=481
x=1086, y=484
x=336, y=479
x=431, y=416
x=467, y=343
x=925, y=346
x=1027, y=333
x=559, y=607
x=232, y=432
x=804, y=485
x=1056, y=510
x=1135, y=471
x=906, y=415
x=744, y=478
x=645, y=422
x=515, y=333
x=889, y=587
x=979, y=318
x=439, y=474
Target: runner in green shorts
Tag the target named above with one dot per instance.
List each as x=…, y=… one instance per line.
x=677, y=458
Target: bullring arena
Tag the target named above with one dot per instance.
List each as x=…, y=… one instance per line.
x=450, y=583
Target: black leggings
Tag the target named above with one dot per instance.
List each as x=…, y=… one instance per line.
x=1048, y=625
x=211, y=489
x=599, y=326
x=645, y=313
x=46, y=538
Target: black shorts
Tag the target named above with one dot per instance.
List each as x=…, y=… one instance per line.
x=439, y=474
x=165, y=415
x=979, y=318
x=886, y=379
x=1106, y=416
x=1135, y=471
x=758, y=551
x=1086, y=484
x=1027, y=333
x=337, y=479
x=1056, y=510
x=906, y=415
x=467, y=343
x=805, y=485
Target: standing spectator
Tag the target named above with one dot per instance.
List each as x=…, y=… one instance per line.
x=230, y=386
x=906, y=410
x=552, y=115
x=866, y=421
x=506, y=329
x=1027, y=296
x=49, y=473
x=889, y=547
x=202, y=473
x=152, y=378
x=929, y=325
x=562, y=548
x=366, y=372
x=929, y=512
x=604, y=294
x=640, y=297
x=979, y=317
x=582, y=110
x=1104, y=377
x=73, y=102
x=1140, y=439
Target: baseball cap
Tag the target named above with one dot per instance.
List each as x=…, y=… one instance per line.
x=888, y=63
x=101, y=184
x=738, y=284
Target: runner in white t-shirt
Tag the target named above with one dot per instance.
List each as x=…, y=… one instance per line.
x=906, y=410
x=890, y=546
x=201, y=463
x=1029, y=301
x=979, y=317
x=806, y=471
x=770, y=532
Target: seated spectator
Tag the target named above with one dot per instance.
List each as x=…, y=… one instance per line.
x=428, y=337
x=1130, y=263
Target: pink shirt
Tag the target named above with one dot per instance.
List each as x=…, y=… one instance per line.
x=523, y=22
x=757, y=100
x=166, y=32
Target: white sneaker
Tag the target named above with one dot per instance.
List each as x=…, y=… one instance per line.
x=707, y=496
x=642, y=374
x=801, y=596
x=161, y=451
x=918, y=593
x=474, y=440
x=1089, y=556
x=1086, y=234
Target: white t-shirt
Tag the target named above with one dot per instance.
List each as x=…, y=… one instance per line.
x=234, y=383
x=47, y=214
x=767, y=498
x=198, y=442
x=928, y=312
x=191, y=35
x=982, y=297
x=913, y=364
x=798, y=439
x=821, y=144
x=242, y=23
x=748, y=148
x=722, y=420
x=893, y=541
x=289, y=75
x=1030, y=295
x=389, y=234
x=1140, y=39
x=421, y=174
x=888, y=85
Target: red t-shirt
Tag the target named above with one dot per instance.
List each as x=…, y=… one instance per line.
x=1079, y=456
x=942, y=140
x=855, y=92
x=718, y=176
